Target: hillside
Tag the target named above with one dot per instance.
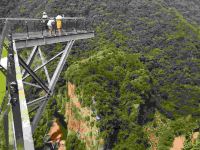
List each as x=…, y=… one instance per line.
x=140, y=75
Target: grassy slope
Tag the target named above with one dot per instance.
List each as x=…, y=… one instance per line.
x=2, y=94
x=2, y=79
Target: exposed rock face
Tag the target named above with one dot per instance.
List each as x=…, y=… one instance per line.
x=55, y=132
x=80, y=121
x=178, y=143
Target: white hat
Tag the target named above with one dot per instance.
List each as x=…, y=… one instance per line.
x=59, y=17
x=44, y=13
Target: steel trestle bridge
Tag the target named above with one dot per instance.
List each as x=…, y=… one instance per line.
x=17, y=35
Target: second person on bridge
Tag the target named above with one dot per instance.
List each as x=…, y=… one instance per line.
x=51, y=26
x=59, y=24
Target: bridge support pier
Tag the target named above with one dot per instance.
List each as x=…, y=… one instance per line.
x=22, y=128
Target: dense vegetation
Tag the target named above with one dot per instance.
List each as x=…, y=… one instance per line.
x=2, y=79
x=116, y=80
x=3, y=100
x=130, y=86
x=140, y=74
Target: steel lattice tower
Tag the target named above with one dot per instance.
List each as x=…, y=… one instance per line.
x=17, y=124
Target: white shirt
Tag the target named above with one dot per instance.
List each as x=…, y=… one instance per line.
x=49, y=23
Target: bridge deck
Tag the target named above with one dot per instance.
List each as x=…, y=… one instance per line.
x=24, y=40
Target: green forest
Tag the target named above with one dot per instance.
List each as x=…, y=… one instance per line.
x=125, y=83
x=140, y=75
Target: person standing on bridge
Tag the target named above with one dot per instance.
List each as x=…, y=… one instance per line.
x=44, y=21
x=59, y=24
x=51, y=26
x=44, y=15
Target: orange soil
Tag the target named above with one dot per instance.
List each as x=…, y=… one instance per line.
x=152, y=139
x=56, y=135
x=71, y=91
x=79, y=126
x=55, y=132
x=178, y=143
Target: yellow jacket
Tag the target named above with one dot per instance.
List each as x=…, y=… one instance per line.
x=59, y=24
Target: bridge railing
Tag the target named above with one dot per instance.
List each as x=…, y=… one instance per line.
x=30, y=26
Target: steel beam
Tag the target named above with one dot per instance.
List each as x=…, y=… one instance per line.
x=6, y=128
x=11, y=132
x=14, y=95
x=33, y=102
x=4, y=32
x=33, y=75
x=33, y=109
x=24, y=116
x=45, y=68
x=23, y=43
x=52, y=84
x=30, y=59
x=60, y=66
x=31, y=84
x=39, y=19
x=50, y=60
